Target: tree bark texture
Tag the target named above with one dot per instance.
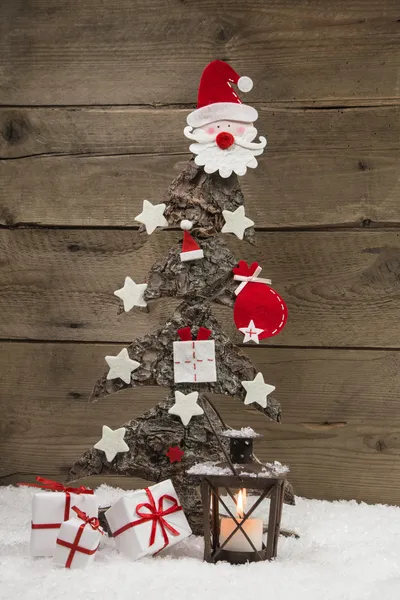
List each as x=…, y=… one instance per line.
x=199, y=197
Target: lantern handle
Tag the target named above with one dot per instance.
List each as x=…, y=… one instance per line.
x=224, y=425
x=230, y=463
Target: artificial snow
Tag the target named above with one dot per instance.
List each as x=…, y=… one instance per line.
x=244, y=432
x=347, y=551
x=209, y=468
x=276, y=468
x=216, y=469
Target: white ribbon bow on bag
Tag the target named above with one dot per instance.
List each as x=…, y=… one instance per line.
x=246, y=279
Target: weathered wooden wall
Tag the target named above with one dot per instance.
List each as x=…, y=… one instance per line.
x=93, y=101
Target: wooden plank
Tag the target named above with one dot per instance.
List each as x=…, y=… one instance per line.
x=353, y=462
x=47, y=422
x=134, y=52
x=146, y=130
x=303, y=189
x=342, y=288
x=337, y=175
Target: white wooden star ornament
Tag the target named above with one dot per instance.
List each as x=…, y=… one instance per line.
x=152, y=216
x=257, y=390
x=121, y=366
x=112, y=442
x=186, y=407
x=251, y=333
x=236, y=222
x=132, y=294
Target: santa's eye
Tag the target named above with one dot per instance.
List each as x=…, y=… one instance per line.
x=228, y=125
x=217, y=126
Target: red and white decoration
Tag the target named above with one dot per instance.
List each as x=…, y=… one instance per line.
x=78, y=540
x=186, y=407
x=194, y=360
x=51, y=508
x=251, y=333
x=147, y=521
x=190, y=248
x=222, y=127
x=259, y=311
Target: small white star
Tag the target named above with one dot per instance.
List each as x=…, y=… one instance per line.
x=132, y=294
x=236, y=222
x=251, y=333
x=186, y=407
x=152, y=216
x=257, y=390
x=121, y=366
x=112, y=442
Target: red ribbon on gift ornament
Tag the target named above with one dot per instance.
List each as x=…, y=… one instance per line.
x=247, y=274
x=156, y=515
x=55, y=486
x=74, y=547
x=185, y=334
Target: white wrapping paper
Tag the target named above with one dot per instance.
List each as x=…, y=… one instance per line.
x=135, y=542
x=48, y=507
x=90, y=540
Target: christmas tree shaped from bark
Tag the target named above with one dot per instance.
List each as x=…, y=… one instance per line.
x=190, y=355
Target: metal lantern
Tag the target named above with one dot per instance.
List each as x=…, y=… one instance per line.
x=238, y=538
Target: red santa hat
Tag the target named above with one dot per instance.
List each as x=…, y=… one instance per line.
x=216, y=98
x=190, y=248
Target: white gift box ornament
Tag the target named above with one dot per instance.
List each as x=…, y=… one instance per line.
x=51, y=508
x=194, y=360
x=78, y=540
x=147, y=521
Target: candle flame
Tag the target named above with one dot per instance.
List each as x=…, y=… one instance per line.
x=241, y=503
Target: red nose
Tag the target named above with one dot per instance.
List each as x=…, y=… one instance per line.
x=224, y=140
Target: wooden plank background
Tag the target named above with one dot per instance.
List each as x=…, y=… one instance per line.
x=93, y=100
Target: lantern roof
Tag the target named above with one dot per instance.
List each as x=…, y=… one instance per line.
x=254, y=474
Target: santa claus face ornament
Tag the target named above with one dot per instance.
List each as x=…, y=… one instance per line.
x=221, y=127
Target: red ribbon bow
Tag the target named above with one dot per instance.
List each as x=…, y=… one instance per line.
x=156, y=515
x=55, y=486
x=92, y=521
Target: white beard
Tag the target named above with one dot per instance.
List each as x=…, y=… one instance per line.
x=235, y=159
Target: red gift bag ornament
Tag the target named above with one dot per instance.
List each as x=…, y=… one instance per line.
x=259, y=311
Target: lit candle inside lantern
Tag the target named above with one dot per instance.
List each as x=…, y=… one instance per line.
x=253, y=528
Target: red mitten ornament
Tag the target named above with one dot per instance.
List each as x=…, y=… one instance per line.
x=259, y=311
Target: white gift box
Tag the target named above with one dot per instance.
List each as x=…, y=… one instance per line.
x=194, y=361
x=137, y=529
x=76, y=544
x=48, y=513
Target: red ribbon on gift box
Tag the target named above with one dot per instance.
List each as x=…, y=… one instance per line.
x=55, y=486
x=156, y=515
x=74, y=547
